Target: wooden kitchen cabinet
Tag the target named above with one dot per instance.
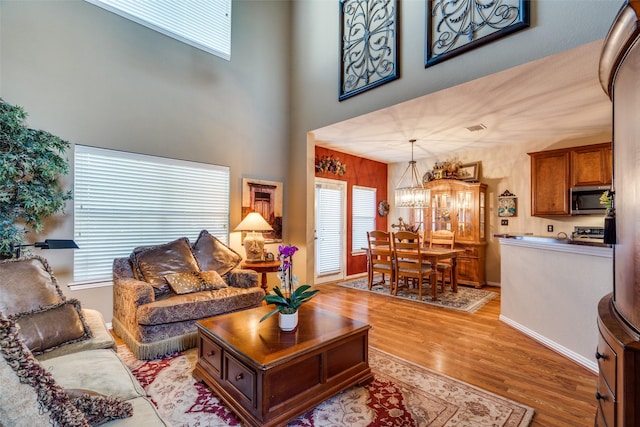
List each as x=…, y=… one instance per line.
x=591, y=165
x=554, y=172
x=550, y=183
x=461, y=207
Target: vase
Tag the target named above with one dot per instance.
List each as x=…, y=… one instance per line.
x=288, y=322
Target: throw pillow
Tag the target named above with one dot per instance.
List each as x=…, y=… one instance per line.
x=213, y=255
x=35, y=398
x=27, y=284
x=50, y=327
x=195, y=281
x=153, y=263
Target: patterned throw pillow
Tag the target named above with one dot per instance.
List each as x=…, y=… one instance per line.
x=195, y=281
x=36, y=399
x=214, y=255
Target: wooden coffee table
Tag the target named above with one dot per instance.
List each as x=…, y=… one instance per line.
x=268, y=377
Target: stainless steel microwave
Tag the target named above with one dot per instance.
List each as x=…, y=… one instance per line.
x=586, y=200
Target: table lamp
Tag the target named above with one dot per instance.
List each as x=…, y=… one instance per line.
x=254, y=225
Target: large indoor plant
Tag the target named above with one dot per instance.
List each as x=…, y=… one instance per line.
x=30, y=190
x=288, y=299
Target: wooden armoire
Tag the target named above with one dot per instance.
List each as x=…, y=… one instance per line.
x=618, y=350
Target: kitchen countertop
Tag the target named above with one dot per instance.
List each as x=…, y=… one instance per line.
x=552, y=240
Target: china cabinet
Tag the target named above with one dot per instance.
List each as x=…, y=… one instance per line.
x=618, y=352
x=460, y=206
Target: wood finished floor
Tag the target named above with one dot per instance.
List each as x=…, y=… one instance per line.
x=476, y=348
x=473, y=347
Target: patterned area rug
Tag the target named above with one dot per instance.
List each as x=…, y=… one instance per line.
x=466, y=299
x=401, y=394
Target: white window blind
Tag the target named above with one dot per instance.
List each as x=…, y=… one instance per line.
x=123, y=200
x=204, y=24
x=363, y=219
x=328, y=230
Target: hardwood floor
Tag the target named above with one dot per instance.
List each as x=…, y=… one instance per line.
x=476, y=348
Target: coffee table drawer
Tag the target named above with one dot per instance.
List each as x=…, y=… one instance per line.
x=240, y=378
x=211, y=353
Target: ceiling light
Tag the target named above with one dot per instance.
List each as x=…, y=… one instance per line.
x=414, y=195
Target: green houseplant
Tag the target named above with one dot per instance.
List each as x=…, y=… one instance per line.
x=31, y=167
x=287, y=300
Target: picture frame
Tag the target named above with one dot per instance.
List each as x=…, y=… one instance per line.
x=264, y=197
x=368, y=45
x=507, y=205
x=469, y=172
x=453, y=28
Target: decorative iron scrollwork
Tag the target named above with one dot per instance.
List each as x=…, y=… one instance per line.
x=369, y=46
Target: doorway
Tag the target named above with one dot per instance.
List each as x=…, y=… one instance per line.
x=330, y=232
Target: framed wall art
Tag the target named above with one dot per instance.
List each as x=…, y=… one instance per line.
x=507, y=204
x=264, y=197
x=455, y=27
x=469, y=171
x=368, y=45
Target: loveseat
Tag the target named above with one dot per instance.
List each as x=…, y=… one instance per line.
x=161, y=291
x=58, y=364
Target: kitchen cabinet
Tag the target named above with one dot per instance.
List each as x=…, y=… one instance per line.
x=460, y=206
x=554, y=172
x=591, y=165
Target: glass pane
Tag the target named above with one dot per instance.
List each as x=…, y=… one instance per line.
x=465, y=215
x=441, y=212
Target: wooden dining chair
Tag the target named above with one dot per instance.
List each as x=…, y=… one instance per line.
x=408, y=262
x=443, y=239
x=380, y=257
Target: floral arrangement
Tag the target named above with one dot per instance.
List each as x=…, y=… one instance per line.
x=288, y=299
x=329, y=164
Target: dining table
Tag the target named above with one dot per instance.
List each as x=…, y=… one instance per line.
x=433, y=256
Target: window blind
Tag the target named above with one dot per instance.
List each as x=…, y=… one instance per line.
x=329, y=230
x=363, y=216
x=123, y=200
x=204, y=24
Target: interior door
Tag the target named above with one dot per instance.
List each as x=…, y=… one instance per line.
x=330, y=231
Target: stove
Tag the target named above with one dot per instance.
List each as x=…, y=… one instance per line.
x=591, y=234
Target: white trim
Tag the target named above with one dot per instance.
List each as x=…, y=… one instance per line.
x=80, y=286
x=564, y=351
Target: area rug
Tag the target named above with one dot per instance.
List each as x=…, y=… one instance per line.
x=401, y=394
x=466, y=299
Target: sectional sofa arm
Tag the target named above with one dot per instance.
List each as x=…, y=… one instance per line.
x=132, y=292
x=240, y=278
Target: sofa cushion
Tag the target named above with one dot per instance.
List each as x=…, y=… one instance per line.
x=50, y=327
x=214, y=255
x=32, y=277
x=36, y=398
x=195, y=281
x=198, y=305
x=155, y=262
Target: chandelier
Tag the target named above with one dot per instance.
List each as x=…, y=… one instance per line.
x=414, y=195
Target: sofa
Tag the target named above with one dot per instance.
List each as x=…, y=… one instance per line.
x=161, y=291
x=58, y=364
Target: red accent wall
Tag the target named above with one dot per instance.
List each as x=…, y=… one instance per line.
x=364, y=172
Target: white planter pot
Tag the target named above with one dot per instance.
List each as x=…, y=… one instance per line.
x=288, y=322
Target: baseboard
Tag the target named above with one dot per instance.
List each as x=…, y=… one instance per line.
x=569, y=354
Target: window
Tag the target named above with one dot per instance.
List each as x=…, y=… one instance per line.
x=363, y=216
x=204, y=24
x=123, y=200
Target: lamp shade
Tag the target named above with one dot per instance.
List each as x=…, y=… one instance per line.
x=253, y=244
x=253, y=222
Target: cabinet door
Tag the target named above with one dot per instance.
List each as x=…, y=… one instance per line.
x=550, y=183
x=591, y=165
x=465, y=203
x=441, y=206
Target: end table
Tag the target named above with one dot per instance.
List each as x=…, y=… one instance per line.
x=264, y=268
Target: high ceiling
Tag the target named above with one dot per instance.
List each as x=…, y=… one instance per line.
x=551, y=99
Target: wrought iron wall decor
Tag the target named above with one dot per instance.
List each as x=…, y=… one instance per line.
x=368, y=45
x=456, y=26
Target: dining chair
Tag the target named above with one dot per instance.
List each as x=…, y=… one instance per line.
x=443, y=239
x=408, y=262
x=380, y=257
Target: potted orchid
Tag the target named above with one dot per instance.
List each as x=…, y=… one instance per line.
x=288, y=299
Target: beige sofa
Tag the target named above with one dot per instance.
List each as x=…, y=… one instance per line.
x=160, y=292
x=58, y=364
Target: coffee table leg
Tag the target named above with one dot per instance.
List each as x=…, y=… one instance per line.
x=264, y=282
